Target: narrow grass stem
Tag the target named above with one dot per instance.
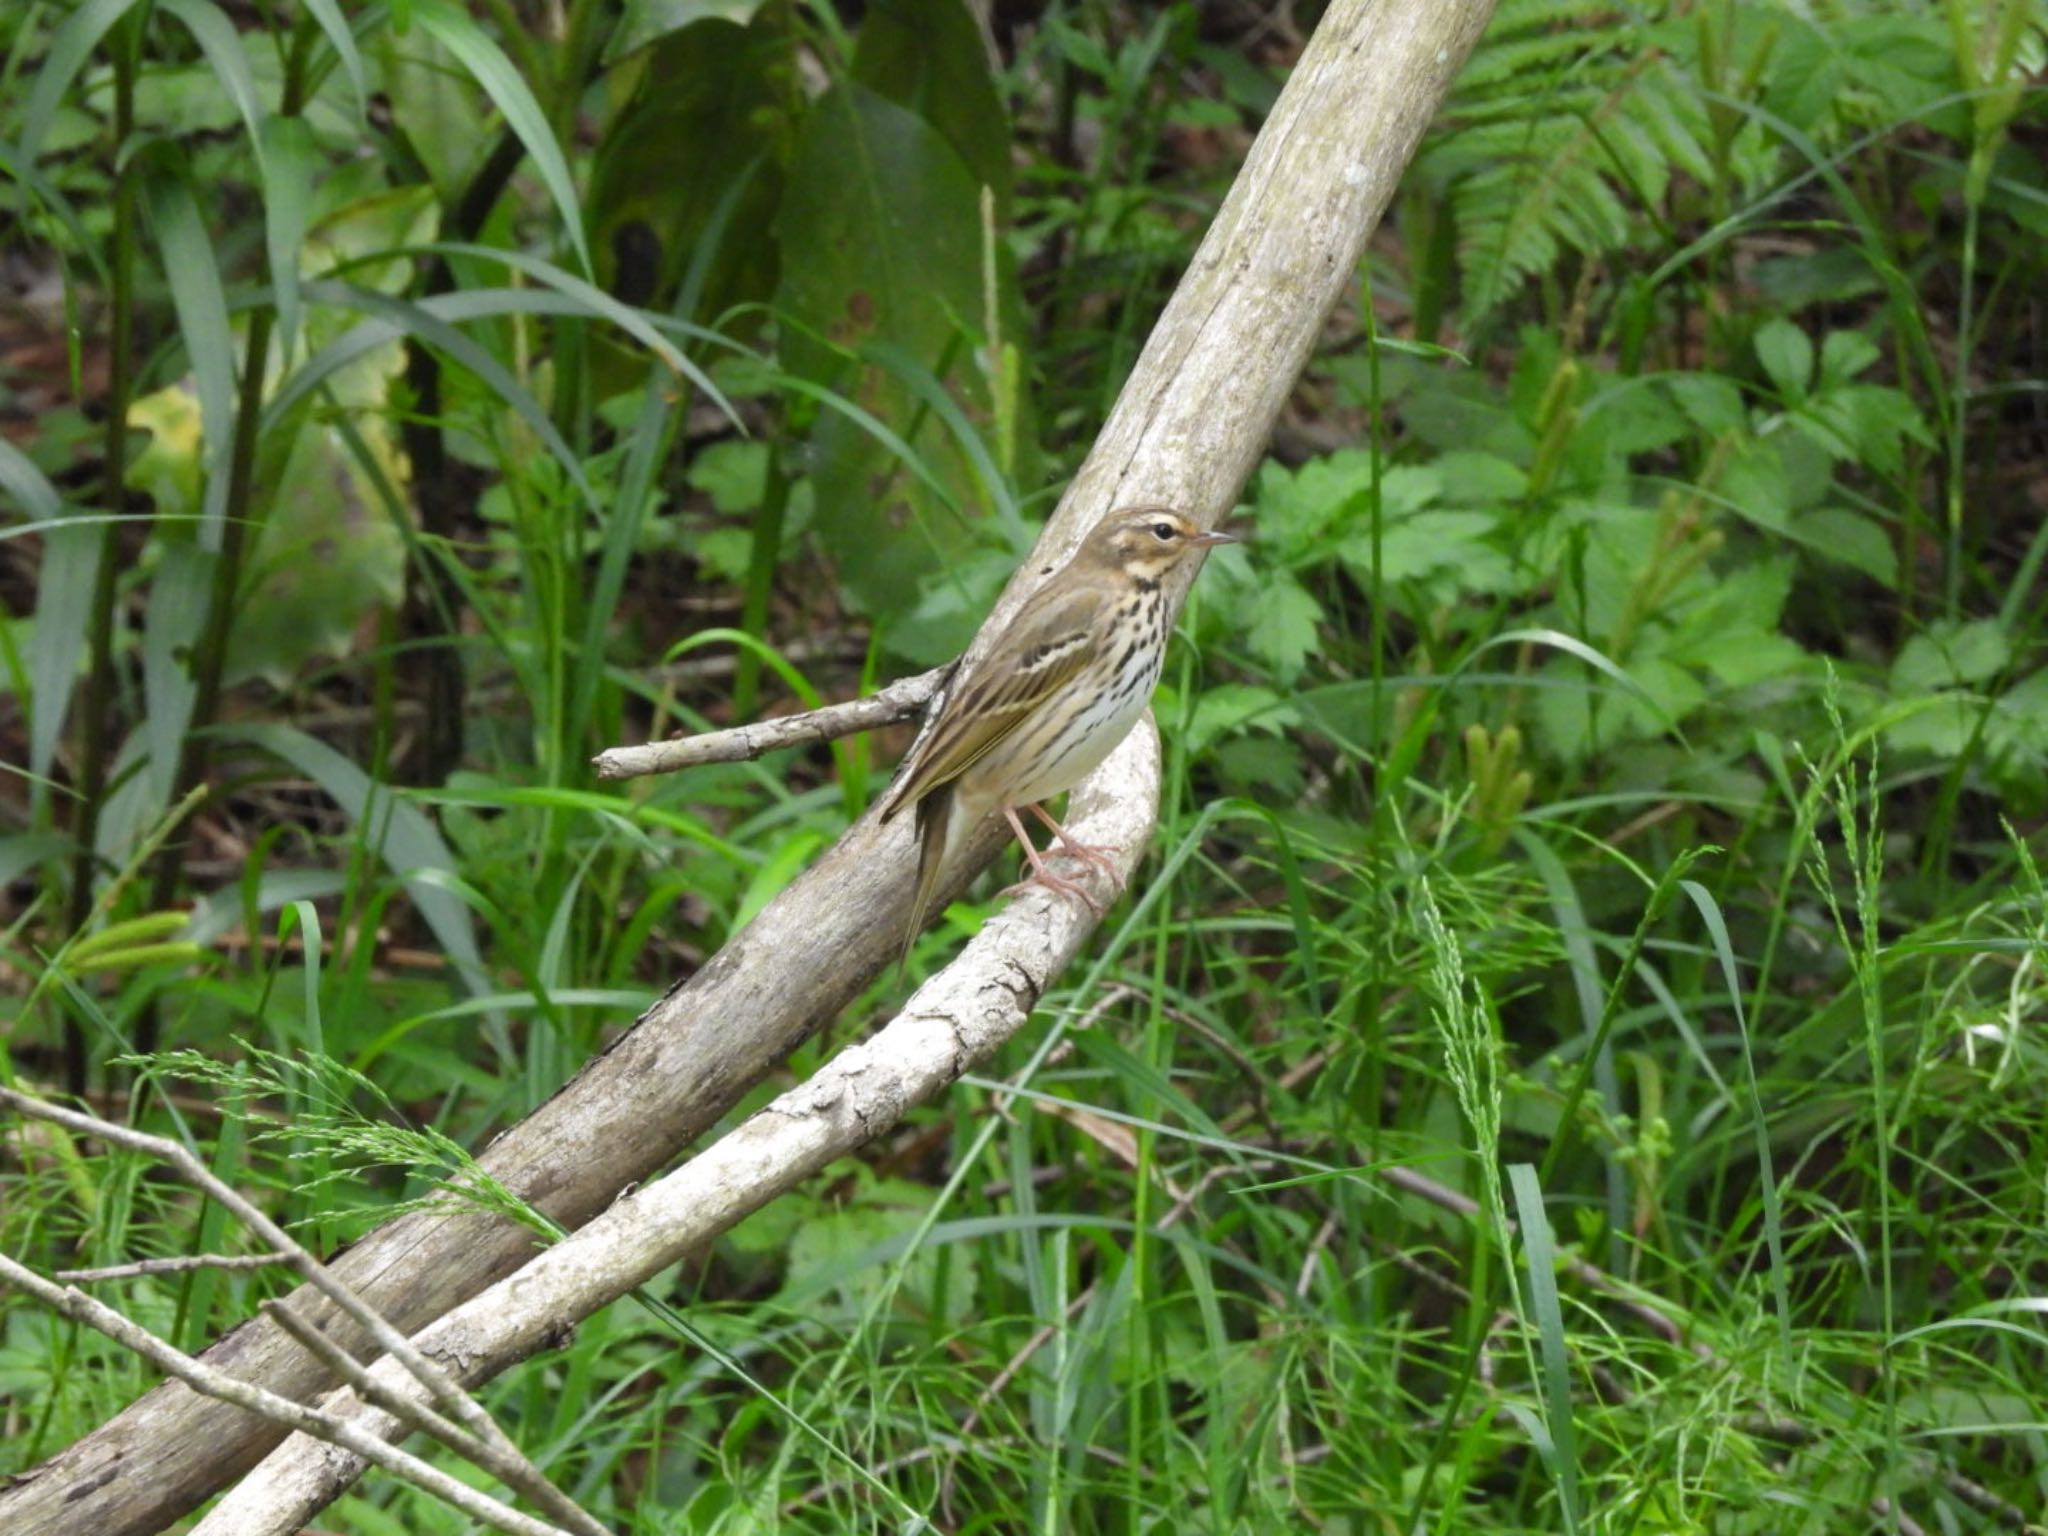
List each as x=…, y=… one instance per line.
x=97, y=700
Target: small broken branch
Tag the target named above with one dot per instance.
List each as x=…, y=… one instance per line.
x=901, y=700
x=179, y=1265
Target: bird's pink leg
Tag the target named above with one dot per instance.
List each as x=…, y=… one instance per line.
x=1103, y=857
x=1041, y=873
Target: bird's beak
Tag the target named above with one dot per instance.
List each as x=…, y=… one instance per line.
x=1204, y=540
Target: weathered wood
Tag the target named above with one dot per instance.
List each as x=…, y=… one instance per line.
x=1191, y=423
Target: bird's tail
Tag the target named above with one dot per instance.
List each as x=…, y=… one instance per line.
x=934, y=829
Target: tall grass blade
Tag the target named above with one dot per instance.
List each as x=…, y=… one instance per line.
x=1774, y=1225
x=1541, y=1252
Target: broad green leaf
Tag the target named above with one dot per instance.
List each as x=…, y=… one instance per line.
x=1413, y=547
x=733, y=473
x=328, y=553
x=447, y=127
x=1844, y=354
x=1754, y=484
x=2017, y=731
x=1744, y=656
x=648, y=21
x=880, y=241
x=689, y=175
x=1470, y=479
x=1224, y=709
x=1713, y=404
x=930, y=56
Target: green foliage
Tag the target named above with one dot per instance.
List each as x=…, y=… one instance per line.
x=1567, y=1062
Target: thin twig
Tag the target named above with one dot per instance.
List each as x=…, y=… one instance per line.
x=516, y=1471
x=75, y=1304
x=174, y=1266
x=439, y=1384
x=901, y=700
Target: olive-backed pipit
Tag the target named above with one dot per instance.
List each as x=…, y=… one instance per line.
x=1061, y=686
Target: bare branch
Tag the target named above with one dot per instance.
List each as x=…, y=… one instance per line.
x=75, y=1304
x=901, y=700
x=514, y=1470
x=179, y=1265
x=430, y=1374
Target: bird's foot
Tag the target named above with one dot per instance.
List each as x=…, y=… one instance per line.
x=1042, y=874
x=1102, y=856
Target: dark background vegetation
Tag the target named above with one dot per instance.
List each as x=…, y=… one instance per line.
x=1619, y=751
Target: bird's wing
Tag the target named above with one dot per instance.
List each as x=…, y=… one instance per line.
x=1042, y=651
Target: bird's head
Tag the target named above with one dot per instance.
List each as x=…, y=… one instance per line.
x=1144, y=543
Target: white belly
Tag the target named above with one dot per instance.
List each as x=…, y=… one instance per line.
x=1081, y=748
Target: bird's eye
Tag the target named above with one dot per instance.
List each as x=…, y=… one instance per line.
x=1163, y=532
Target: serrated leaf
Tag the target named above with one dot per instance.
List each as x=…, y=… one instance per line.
x=1754, y=483
x=1851, y=539
x=1473, y=479
x=1296, y=508
x=1223, y=710
x=733, y=473
x=1428, y=541
x=1284, y=630
x=1787, y=357
x=1844, y=354
x=1948, y=654
x=1711, y=402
